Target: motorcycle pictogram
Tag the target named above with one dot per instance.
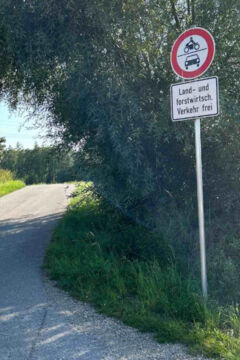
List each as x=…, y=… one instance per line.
x=191, y=45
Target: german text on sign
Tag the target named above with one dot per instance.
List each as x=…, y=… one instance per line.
x=194, y=99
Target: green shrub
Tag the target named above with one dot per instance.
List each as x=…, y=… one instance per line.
x=5, y=175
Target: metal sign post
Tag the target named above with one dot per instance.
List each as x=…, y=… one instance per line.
x=191, y=55
x=197, y=126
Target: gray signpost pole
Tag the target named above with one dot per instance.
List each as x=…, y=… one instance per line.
x=197, y=125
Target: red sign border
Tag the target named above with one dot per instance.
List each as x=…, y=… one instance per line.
x=211, y=51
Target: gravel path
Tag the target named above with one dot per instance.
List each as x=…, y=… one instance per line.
x=39, y=321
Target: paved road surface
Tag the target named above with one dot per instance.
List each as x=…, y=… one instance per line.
x=40, y=322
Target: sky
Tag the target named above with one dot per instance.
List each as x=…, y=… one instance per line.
x=11, y=129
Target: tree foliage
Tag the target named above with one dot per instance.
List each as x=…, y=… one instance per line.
x=101, y=70
x=2, y=145
x=40, y=164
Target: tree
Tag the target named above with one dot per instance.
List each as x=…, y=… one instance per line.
x=2, y=145
x=102, y=70
x=40, y=164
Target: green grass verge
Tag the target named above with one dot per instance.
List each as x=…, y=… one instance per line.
x=128, y=272
x=10, y=186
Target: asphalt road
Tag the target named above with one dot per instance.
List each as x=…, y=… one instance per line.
x=27, y=218
x=40, y=322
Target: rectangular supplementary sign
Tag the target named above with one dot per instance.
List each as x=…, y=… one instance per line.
x=195, y=99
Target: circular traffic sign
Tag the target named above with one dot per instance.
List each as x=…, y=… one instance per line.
x=192, y=53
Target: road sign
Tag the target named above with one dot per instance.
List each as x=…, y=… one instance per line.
x=195, y=99
x=192, y=53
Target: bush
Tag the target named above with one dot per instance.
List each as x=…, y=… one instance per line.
x=5, y=175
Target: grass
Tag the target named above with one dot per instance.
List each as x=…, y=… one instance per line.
x=101, y=257
x=10, y=186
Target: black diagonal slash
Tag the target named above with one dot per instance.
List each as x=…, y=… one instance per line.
x=192, y=52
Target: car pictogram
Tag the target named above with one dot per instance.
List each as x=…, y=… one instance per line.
x=192, y=60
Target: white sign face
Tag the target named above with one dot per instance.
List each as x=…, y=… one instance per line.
x=195, y=99
x=192, y=53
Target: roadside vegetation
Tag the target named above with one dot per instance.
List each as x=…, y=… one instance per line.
x=7, y=184
x=102, y=257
